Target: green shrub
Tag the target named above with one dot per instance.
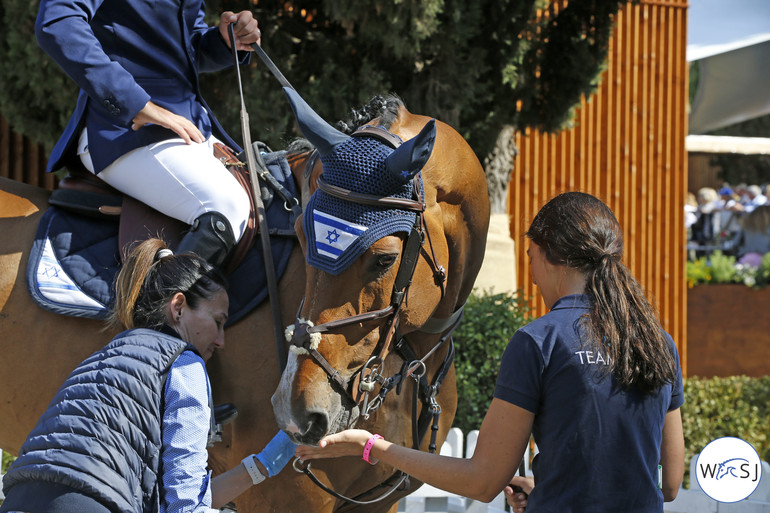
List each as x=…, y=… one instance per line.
x=489, y=322
x=736, y=406
x=721, y=268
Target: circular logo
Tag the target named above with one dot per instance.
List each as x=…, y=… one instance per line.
x=728, y=469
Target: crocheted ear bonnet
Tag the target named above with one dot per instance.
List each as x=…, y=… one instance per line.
x=338, y=231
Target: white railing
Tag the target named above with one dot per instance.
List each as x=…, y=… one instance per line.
x=428, y=499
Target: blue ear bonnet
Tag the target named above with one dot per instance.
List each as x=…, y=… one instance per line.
x=339, y=231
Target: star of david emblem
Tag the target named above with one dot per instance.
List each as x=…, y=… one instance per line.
x=332, y=236
x=51, y=272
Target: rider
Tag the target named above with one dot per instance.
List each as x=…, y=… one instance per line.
x=140, y=122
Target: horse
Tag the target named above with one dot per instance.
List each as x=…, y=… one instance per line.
x=39, y=348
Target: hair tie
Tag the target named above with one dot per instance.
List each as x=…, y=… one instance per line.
x=162, y=253
x=608, y=256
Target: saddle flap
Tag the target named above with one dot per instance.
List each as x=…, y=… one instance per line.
x=138, y=222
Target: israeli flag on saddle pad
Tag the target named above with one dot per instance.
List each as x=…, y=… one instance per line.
x=334, y=235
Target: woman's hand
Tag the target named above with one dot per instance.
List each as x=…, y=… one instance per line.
x=245, y=28
x=157, y=115
x=346, y=443
x=518, y=500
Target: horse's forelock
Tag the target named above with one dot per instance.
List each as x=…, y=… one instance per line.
x=385, y=107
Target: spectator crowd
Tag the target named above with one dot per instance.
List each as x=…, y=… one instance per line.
x=734, y=220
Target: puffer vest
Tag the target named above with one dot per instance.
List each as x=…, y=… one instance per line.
x=101, y=434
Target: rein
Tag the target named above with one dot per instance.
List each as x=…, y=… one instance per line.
x=252, y=161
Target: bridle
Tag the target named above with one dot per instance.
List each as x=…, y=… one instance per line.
x=359, y=389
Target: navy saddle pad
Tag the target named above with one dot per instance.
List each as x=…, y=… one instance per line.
x=75, y=258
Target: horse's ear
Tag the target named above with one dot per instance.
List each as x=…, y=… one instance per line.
x=409, y=158
x=320, y=133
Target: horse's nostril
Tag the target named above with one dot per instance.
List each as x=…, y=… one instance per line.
x=316, y=427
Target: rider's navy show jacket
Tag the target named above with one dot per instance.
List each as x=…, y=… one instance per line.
x=123, y=54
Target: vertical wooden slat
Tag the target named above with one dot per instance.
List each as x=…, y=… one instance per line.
x=628, y=149
x=22, y=159
x=5, y=146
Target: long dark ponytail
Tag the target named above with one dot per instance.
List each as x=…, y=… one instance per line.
x=577, y=230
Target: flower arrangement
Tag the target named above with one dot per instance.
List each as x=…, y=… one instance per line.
x=721, y=268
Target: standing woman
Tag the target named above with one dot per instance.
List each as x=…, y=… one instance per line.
x=596, y=380
x=140, y=122
x=128, y=429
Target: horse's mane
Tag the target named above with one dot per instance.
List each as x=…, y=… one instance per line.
x=384, y=107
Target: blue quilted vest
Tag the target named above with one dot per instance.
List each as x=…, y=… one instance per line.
x=101, y=434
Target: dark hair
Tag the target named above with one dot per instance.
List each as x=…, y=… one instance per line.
x=149, y=278
x=577, y=230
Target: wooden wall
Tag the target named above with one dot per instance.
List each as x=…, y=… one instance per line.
x=22, y=159
x=628, y=148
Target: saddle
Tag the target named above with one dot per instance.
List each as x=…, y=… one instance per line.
x=85, y=193
x=81, y=240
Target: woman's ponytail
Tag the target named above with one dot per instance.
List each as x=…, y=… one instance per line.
x=150, y=276
x=577, y=230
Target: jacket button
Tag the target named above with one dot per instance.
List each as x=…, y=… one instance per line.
x=220, y=226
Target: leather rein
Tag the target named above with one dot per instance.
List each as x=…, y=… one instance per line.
x=360, y=388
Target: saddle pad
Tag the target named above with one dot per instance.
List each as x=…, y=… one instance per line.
x=74, y=259
x=72, y=264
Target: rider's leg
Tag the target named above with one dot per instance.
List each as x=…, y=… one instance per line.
x=186, y=182
x=210, y=237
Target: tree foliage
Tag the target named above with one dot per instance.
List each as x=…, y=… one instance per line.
x=477, y=64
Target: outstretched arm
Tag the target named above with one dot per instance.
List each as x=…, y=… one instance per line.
x=503, y=437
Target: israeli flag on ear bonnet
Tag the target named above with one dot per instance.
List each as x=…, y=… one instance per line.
x=339, y=231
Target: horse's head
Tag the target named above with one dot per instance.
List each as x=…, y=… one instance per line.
x=375, y=243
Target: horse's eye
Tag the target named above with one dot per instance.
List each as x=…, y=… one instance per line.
x=385, y=261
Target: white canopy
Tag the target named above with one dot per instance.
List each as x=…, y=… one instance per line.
x=730, y=39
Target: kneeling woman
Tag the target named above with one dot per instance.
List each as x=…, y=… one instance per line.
x=128, y=430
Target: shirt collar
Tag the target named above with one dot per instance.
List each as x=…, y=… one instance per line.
x=572, y=301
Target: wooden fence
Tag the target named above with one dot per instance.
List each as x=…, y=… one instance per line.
x=627, y=148
x=22, y=159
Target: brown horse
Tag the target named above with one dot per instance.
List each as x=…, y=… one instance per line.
x=355, y=333
x=39, y=348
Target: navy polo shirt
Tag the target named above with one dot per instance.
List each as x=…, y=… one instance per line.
x=599, y=444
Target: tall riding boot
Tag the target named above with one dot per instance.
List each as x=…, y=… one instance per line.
x=210, y=237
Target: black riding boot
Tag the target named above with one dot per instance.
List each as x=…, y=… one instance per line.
x=210, y=237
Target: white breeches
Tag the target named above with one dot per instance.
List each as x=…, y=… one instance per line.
x=180, y=180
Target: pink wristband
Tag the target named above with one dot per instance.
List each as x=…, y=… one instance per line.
x=368, y=450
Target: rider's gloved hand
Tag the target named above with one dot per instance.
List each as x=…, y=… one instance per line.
x=277, y=453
